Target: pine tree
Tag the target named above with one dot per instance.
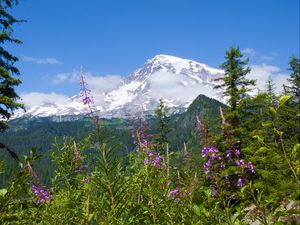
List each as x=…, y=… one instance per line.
x=294, y=80
x=270, y=91
x=290, y=112
x=270, y=88
x=8, y=96
x=234, y=84
x=163, y=129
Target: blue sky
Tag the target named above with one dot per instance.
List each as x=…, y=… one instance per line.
x=114, y=37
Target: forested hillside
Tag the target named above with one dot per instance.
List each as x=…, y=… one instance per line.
x=40, y=133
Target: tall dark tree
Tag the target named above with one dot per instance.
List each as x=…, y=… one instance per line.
x=234, y=84
x=270, y=91
x=294, y=88
x=162, y=127
x=270, y=88
x=8, y=72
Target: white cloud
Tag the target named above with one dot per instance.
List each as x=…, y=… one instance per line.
x=103, y=83
x=248, y=51
x=95, y=82
x=34, y=99
x=60, y=78
x=257, y=56
x=50, y=61
x=66, y=77
x=268, y=58
x=98, y=85
x=262, y=72
x=176, y=86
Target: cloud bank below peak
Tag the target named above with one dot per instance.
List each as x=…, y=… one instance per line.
x=36, y=99
x=175, y=86
x=98, y=85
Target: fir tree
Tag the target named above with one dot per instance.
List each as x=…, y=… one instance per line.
x=234, y=84
x=294, y=88
x=162, y=119
x=270, y=91
x=8, y=96
x=270, y=88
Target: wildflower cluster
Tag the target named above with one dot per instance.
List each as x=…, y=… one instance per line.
x=140, y=134
x=174, y=194
x=41, y=193
x=216, y=164
x=143, y=141
x=152, y=158
x=234, y=155
x=213, y=156
x=38, y=190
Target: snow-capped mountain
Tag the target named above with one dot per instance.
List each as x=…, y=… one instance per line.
x=178, y=81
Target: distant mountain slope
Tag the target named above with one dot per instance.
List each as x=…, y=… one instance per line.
x=185, y=130
x=178, y=81
x=40, y=132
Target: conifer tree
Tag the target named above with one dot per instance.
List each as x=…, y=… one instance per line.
x=8, y=96
x=290, y=113
x=162, y=119
x=294, y=88
x=234, y=84
x=270, y=88
x=270, y=93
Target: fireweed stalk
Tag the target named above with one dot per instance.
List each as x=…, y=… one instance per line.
x=152, y=160
x=36, y=188
x=87, y=100
x=85, y=93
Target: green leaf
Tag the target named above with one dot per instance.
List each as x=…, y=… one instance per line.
x=283, y=99
x=259, y=138
x=32, y=151
x=272, y=111
x=243, y=189
x=296, y=148
x=207, y=193
x=261, y=150
x=91, y=217
x=196, y=210
x=280, y=133
x=267, y=124
x=204, y=211
x=3, y=192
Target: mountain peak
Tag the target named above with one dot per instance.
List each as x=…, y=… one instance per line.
x=169, y=58
x=181, y=63
x=178, y=81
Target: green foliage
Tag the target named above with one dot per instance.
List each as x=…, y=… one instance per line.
x=268, y=142
x=8, y=96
